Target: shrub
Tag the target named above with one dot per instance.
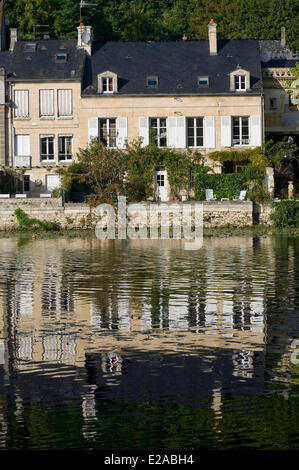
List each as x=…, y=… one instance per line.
x=224, y=185
x=286, y=213
x=27, y=223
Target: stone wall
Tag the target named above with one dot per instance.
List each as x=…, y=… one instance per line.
x=73, y=216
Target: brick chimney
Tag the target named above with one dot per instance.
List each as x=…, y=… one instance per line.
x=212, y=29
x=85, y=38
x=13, y=38
x=283, y=37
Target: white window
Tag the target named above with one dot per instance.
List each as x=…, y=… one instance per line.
x=107, y=84
x=240, y=82
x=203, y=81
x=240, y=130
x=107, y=132
x=65, y=147
x=22, y=145
x=46, y=103
x=195, y=132
x=21, y=110
x=65, y=103
x=47, y=148
x=158, y=131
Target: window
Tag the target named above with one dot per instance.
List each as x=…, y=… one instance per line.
x=30, y=47
x=46, y=103
x=21, y=110
x=152, y=82
x=65, y=103
x=195, y=132
x=240, y=130
x=107, y=132
x=61, y=57
x=26, y=183
x=273, y=103
x=22, y=145
x=65, y=147
x=158, y=131
x=107, y=85
x=240, y=82
x=203, y=81
x=47, y=148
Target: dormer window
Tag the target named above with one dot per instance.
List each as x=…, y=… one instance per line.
x=152, y=82
x=240, y=82
x=107, y=82
x=203, y=81
x=107, y=85
x=61, y=57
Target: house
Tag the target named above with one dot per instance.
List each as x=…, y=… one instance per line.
x=203, y=94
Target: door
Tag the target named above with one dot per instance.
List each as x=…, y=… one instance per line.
x=53, y=182
x=161, y=185
x=26, y=184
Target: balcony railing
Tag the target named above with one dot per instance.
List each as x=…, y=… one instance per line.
x=22, y=161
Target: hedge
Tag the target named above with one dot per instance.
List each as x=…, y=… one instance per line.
x=224, y=185
x=286, y=213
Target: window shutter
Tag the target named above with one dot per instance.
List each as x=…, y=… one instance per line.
x=122, y=132
x=21, y=103
x=176, y=132
x=93, y=129
x=171, y=124
x=46, y=102
x=144, y=130
x=209, y=132
x=65, y=105
x=226, y=133
x=256, y=131
x=181, y=132
x=22, y=145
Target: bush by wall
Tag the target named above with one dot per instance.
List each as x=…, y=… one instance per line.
x=27, y=223
x=224, y=185
x=286, y=213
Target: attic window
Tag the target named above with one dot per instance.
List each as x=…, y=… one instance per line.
x=240, y=82
x=30, y=47
x=61, y=57
x=107, y=84
x=152, y=82
x=203, y=81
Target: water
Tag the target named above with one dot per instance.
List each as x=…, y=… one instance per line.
x=143, y=345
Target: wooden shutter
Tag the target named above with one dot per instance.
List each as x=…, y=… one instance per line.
x=122, y=132
x=255, y=131
x=144, y=130
x=65, y=105
x=226, y=131
x=22, y=145
x=93, y=129
x=176, y=127
x=46, y=103
x=209, y=132
x=21, y=103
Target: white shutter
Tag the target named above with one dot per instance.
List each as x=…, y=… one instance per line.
x=22, y=145
x=144, y=130
x=46, y=103
x=21, y=103
x=176, y=132
x=256, y=131
x=93, y=129
x=122, y=132
x=65, y=105
x=209, y=132
x=226, y=132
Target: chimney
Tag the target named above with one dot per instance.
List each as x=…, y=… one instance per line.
x=85, y=38
x=212, y=29
x=13, y=38
x=283, y=37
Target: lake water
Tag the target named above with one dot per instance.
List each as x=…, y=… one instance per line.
x=143, y=345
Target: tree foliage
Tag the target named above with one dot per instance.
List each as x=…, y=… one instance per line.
x=159, y=19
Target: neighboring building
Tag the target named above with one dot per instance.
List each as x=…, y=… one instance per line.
x=205, y=94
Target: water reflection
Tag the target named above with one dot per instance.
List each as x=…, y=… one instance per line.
x=83, y=321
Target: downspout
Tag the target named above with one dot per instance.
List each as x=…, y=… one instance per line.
x=12, y=132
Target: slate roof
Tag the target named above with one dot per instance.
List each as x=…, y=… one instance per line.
x=4, y=59
x=177, y=65
x=41, y=64
x=273, y=54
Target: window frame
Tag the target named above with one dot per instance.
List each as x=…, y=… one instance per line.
x=152, y=78
x=238, y=79
x=106, y=81
x=108, y=137
x=159, y=133
x=65, y=116
x=195, y=136
x=25, y=116
x=203, y=85
x=240, y=126
x=61, y=136
x=46, y=116
x=47, y=160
